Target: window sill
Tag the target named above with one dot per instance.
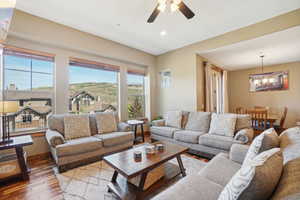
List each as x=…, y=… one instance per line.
x=33, y=133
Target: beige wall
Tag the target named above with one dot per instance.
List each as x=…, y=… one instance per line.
x=28, y=31
x=185, y=92
x=239, y=94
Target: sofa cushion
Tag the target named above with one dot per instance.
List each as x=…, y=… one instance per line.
x=220, y=164
x=106, y=122
x=76, y=126
x=217, y=141
x=257, y=179
x=198, y=121
x=242, y=122
x=265, y=141
x=174, y=119
x=56, y=123
x=223, y=124
x=289, y=184
x=164, y=131
x=188, y=136
x=79, y=145
x=192, y=187
x=115, y=138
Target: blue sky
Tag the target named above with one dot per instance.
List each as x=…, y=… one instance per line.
x=43, y=74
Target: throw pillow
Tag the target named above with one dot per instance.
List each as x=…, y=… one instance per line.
x=106, y=122
x=174, y=119
x=265, y=141
x=223, y=124
x=198, y=121
x=76, y=126
x=243, y=121
x=257, y=180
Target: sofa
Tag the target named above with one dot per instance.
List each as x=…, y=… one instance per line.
x=85, y=144
x=204, y=133
x=209, y=183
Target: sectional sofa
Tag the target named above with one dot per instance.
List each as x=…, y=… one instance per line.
x=204, y=133
x=280, y=180
x=77, y=149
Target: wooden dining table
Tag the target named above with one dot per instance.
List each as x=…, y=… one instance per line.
x=271, y=117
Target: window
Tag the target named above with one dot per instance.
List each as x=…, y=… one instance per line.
x=93, y=86
x=136, y=95
x=28, y=79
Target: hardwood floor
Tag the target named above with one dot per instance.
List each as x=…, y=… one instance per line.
x=42, y=185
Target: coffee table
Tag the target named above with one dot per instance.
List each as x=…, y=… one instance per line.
x=124, y=163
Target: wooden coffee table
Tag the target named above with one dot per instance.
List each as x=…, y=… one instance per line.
x=125, y=164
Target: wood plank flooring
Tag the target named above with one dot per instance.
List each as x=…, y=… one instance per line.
x=42, y=185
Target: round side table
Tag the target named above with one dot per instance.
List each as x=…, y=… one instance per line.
x=134, y=125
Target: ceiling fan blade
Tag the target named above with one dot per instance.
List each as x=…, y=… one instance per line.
x=186, y=11
x=153, y=15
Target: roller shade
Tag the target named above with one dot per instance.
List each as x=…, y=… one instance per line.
x=15, y=51
x=93, y=64
x=137, y=71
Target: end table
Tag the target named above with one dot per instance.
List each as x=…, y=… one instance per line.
x=134, y=124
x=18, y=143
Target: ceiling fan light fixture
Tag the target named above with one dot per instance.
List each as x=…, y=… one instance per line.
x=177, y=2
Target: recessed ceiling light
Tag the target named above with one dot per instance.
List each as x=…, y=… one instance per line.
x=163, y=33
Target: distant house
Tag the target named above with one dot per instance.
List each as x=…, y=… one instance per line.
x=81, y=97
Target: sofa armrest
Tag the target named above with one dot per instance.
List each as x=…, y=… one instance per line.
x=245, y=136
x=123, y=127
x=54, y=138
x=160, y=122
x=238, y=152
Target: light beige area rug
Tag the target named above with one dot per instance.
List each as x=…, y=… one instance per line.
x=90, y=182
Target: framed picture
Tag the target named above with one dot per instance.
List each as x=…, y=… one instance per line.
x=269, y=81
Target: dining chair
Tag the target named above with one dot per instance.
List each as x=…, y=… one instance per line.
x=258, y=118
x=279, y=128
x=240, y=110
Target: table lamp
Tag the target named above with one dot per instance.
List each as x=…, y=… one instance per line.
x=5, y=108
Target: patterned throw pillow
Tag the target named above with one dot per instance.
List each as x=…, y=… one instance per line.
x=242, y=122
x=265, y=141
x=76, y=126
x=198, y=121
x=173, y=119
x=223, y=124
x=257, y=180
x=106, y=122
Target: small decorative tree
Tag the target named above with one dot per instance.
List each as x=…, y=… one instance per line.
x=135, y=109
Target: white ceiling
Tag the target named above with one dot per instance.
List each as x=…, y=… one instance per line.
x=99, y=17
x=280, y=47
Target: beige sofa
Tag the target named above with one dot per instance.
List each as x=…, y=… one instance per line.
x=196, y=132
x=75, y=152
x=210, y=181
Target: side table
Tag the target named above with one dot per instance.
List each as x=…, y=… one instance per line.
x=18, y=143
x=134, y=124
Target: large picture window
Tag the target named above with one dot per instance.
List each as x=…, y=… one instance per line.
x=28, y=79
x=93, y=87
x=136, y=95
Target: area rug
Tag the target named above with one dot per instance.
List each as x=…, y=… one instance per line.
x=90, y=182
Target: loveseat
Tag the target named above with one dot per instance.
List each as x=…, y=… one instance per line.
x=84, y=142
x=279, y=181
x=204, y=133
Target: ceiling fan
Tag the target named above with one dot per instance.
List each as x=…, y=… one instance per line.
x=174, y=5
